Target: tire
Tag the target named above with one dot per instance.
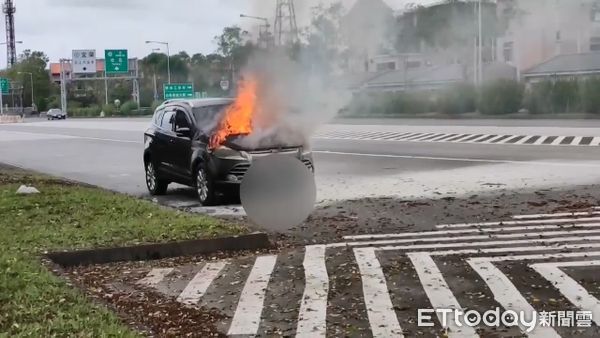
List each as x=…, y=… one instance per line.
x=205, y=186
x=155, y=185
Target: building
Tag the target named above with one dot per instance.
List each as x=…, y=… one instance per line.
x=565, y=67
x=539, y=30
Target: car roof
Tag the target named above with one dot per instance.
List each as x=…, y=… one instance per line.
x=199, y=103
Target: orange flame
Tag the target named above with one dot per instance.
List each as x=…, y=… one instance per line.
x=238, y=117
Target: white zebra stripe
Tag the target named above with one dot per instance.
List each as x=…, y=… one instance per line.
x=312, y=319
x=196, y=288
x=572, y=290
x=382, y=317
x=439, y=293
x=246, y=319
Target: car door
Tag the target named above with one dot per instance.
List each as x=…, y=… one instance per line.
x=163, y=142
x=181, y=145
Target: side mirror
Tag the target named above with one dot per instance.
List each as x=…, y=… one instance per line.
x=183, y=132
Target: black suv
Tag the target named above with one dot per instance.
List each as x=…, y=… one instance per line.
x=176, y=150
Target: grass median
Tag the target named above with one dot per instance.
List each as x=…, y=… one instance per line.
x=33, y=301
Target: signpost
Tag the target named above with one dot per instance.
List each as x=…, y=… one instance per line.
x=5, y=89
x=5, y=84
x=179, y=91
x=84, y=61
x=116, y=61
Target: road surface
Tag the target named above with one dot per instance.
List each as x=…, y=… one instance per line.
x=423, y=159
x=389, y=237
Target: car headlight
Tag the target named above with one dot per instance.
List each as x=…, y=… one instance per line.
x=227, y=153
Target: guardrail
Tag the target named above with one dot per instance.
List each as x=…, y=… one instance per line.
x=11, y=119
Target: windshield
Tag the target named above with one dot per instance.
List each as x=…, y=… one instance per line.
x=207, y=118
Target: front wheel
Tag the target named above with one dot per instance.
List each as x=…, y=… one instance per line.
x=156, y=186
x=205, y=186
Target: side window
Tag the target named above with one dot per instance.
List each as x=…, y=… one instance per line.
x=167, y=121
x=181, y=120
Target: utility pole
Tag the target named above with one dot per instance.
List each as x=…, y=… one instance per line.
x=63, y=85
x=480, y=45
x=286, y=27
x=11, y=47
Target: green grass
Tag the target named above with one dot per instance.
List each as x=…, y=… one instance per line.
x=36, y=303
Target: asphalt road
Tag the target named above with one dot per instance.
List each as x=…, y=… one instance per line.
x=365, y=267
x=352, y=160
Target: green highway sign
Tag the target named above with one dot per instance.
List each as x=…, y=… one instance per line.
x=116, y=61
x=5, y=84
x=179, y=91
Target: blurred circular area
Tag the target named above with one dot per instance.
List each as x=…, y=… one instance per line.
x=278, y=192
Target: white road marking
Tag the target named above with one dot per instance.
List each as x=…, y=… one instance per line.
x=577, y=140
x=508, y=295
x=560, y=214
x=249, y=309
x=471, y=230
x=511, y=249
x=460, y=139
x=390, y=246
x=14, y=136
x=200, y=283
x=541, y=140
x=524, y=139
x=456, y=159
x=558, y=140
x=312, y=318
x=572, y=290
x=533, y=221
x=533, y=235
x=380, y=310
x=155, y=276
x=595, y=141
x=536, y=256
x=493, y=139
x=439, y=293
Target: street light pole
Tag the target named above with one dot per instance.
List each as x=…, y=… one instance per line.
x=32, y=96
x=168, y=57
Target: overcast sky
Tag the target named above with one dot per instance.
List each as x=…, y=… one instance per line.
x=59, y=26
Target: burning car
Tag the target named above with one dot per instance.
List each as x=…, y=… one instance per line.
x=209, y=144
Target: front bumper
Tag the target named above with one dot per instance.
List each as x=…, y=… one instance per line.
x=229, y=166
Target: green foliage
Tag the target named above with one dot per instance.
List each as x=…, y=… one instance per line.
x=391, y=104
x=155, y=105
x=590, y=96
x=128, y=108
x=552, y=97
x=92, y=111
x=33, y=62
x=109, y=109
x=36, y=303
x=501, y=97
x=457, y=99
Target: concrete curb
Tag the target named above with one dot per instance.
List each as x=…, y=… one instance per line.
x=159, y=251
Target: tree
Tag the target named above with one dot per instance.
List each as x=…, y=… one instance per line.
x=324, y=38
x=34, y=62
x=231, y=45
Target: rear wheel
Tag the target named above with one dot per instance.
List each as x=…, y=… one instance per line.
x=156, y=186
x=205, y=186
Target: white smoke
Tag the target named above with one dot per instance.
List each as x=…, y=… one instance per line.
x=299, y=94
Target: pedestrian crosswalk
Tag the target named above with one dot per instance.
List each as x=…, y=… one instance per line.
x=534, y=140
x=376, y=284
